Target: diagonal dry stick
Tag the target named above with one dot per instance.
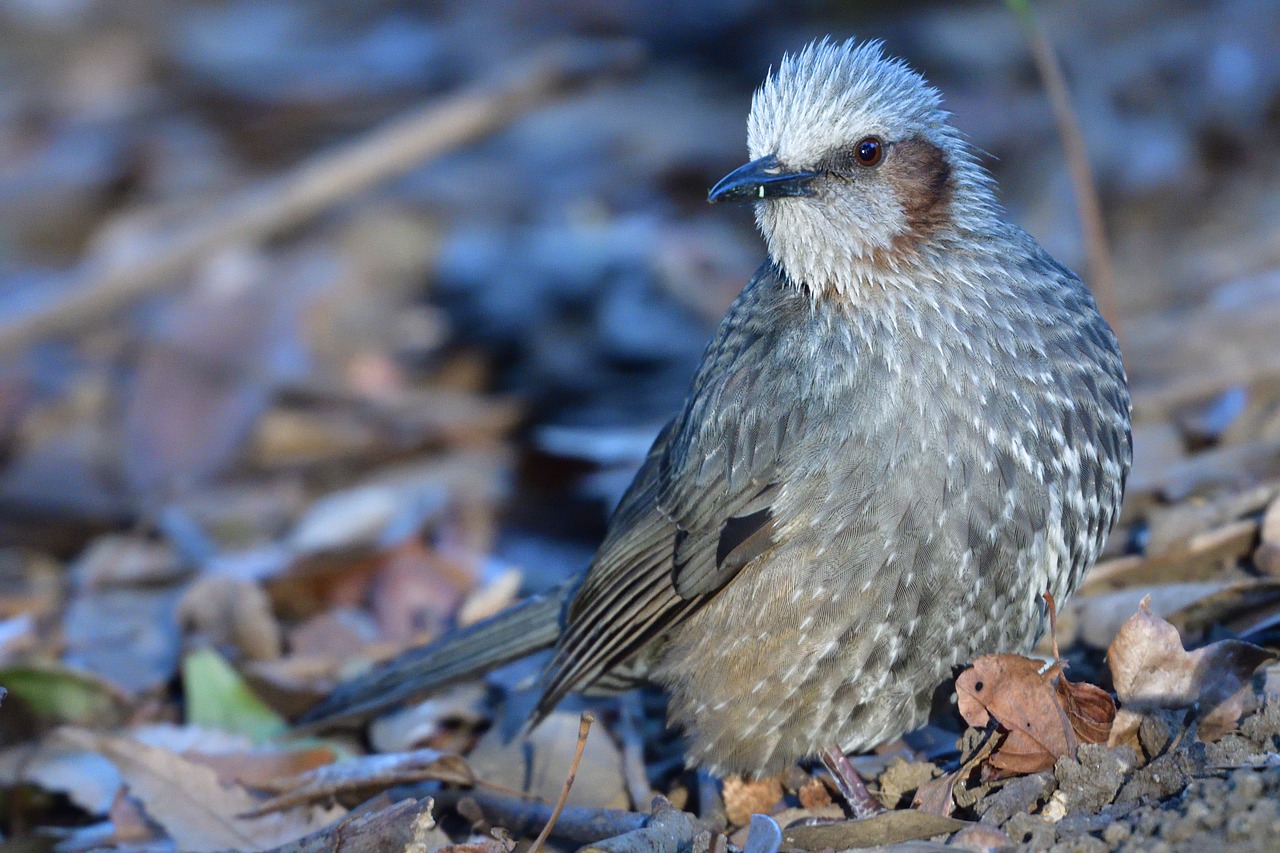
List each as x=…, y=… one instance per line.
x=1053, y=622
x=584, y=726
x=106, y=281
x=1102, y=275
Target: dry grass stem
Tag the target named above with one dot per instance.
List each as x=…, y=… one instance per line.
x=150, y=260
x=584, y=727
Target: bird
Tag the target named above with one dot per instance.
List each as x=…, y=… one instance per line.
x=911, y=424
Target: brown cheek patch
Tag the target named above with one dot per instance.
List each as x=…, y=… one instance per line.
x=921, y=177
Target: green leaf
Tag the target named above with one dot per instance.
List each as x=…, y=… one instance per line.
x=217, y=697
x=67, y=695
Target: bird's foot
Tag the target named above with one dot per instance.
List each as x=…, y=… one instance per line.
x=851, y=786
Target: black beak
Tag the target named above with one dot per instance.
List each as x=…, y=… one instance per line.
x=761, y=179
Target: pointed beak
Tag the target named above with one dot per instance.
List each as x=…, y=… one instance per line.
x=761, y=179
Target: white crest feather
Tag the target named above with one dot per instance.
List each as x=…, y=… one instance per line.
x=833, y=93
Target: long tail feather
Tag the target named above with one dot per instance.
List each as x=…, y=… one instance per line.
x=528, y=627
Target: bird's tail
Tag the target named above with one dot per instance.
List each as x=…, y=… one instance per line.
x=521, y=630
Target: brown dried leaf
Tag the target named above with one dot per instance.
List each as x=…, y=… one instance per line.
x=231, y=612
x=1151, y=670
x=417, y=591
x=1090, y=709
x=260, y=768
x=195, y=809
x=813, y=794
x=936, y=795
x=1013, y=691
x=745, y=797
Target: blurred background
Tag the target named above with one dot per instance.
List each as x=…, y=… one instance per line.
x=301, y=429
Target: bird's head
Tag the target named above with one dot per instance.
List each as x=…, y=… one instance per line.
x=854, y=166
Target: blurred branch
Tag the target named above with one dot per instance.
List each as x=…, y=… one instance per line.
x=1102, y=276
x=404, y=826
x=523, y=818
x=141, y=263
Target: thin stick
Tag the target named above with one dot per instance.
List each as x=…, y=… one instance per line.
x=1102, y=276
x=1053, y=622
x=584, y=726
x=151, y=258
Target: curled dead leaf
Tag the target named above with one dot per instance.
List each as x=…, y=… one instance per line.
x=1090, y=709
x=1013, y=691
x=1151, y=670
x=1044, y=715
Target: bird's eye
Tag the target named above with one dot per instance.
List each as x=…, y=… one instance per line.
x=868, y=152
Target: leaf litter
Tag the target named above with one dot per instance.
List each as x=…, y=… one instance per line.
x=291, y=461
x=193, y=806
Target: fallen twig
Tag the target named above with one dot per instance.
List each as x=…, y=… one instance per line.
x=407, y=825
x=523, y=817
x=668, y=830
x=127, y=268
x=1102, y=276
x=362, y=774
x=1053, y=622
x=584, y=728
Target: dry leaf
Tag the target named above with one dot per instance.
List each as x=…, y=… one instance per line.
x=417, y=590
x=231, y=612
x=1046, y=716
x=259, y=768
x=1013, y=691
x=449, y=719
x=813, y=794
x=489, y=599
x=1151, y=669
x=745, y=797
x=89, y=780
x=197, y=811
x=341, y=633
x=937, y=795
x=1090, y=709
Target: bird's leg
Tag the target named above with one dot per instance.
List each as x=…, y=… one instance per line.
x=851, y=786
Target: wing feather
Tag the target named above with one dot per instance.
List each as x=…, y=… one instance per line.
x=699, y=510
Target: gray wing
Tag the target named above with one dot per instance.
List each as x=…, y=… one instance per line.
x=701, y=506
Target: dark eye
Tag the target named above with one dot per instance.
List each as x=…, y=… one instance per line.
x=869, y=151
